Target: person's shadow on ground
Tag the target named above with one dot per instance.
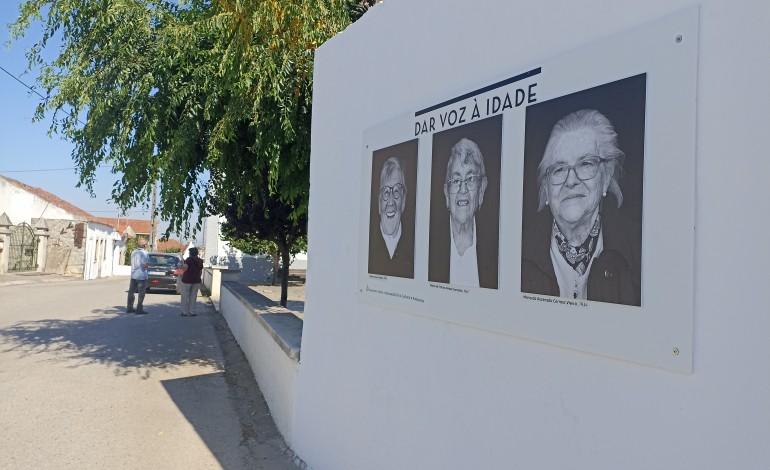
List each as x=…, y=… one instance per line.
x=113, y=337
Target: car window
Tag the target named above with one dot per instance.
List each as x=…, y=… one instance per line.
x=160, y=260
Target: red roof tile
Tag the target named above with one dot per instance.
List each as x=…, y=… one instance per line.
x=139, y=226
x=168, y=244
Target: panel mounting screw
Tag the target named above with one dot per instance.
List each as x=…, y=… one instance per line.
x=679, y=39
x=675, y=351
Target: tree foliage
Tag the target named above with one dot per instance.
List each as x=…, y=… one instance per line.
x=266, y=219
x=159, y=90
x=211, y=98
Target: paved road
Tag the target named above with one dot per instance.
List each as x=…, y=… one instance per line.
x=85, y=385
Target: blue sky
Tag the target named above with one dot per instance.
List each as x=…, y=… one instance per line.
x=27, y=153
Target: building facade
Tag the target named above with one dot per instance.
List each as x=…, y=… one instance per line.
x=41, y=232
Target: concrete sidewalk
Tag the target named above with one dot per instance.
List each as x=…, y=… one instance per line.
x=33, y=277
x=86, y=385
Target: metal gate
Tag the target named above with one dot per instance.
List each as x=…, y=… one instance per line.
x=23, y=254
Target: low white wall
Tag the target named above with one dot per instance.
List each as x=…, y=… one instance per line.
x=214, y=276
x=208, y=278
x=381, y=389
x=270, y=338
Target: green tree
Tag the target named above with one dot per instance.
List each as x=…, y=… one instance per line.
x=159, y=91
x=130, y=247
x=276, y=235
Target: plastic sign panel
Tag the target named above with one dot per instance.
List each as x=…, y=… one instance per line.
x=556, y=204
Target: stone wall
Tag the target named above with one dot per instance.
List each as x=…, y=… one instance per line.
x=64, y=256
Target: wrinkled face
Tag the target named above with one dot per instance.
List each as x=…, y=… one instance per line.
x=464, y=203
x=391, y=201
x=575, y=200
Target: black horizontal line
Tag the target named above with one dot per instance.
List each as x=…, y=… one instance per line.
x=485, y=89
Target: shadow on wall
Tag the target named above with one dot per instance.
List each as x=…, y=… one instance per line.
x=256, y=268
x=230, y=260
x=115, y=338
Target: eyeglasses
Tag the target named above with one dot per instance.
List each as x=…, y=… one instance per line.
x=585, y=169
x=397, y=190
x=471, y=183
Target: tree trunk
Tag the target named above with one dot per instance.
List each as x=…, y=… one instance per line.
x=285, y=261
x=276, y=265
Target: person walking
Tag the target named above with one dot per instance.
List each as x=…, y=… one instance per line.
x=140, y=260
x=192, y=267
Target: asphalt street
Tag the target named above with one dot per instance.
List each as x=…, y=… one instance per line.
x=85, y=385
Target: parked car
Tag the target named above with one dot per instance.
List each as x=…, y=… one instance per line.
x=160, y=273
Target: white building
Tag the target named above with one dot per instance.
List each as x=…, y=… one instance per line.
x=42, y=232
x=219, y=252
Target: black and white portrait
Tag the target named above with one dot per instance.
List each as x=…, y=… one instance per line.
x=582, y=201
x=465, y=205
x=392, y=210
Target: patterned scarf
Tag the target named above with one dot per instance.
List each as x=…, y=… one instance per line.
x=578, y=256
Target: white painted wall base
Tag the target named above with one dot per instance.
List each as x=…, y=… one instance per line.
x=269, y=337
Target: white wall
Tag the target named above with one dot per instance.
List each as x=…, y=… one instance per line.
x=273, y=369
x=381, y=389
x=253, y=267
x=99, y=251
x=22, y=206
x=216, y=250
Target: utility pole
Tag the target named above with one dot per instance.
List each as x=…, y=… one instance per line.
x=154, y=220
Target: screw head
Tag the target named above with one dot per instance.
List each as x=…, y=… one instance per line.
x=679, y=39
x=675, y=351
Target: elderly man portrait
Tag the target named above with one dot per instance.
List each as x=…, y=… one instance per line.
x=467, y=258
x=391, y=247
x=582, y=247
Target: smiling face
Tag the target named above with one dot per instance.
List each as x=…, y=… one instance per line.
x=464, y=203
x=390, y=206
x=576, y=201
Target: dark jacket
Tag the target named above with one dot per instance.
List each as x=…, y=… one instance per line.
x=402, y=263
x=486, y=256
x=194, y=269
x=615, y=275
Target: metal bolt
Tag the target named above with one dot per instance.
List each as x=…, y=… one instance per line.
x=675, y=351
x=679, y=39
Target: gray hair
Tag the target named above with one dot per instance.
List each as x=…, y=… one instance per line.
x=607, y=143
x=468, y=152
x=391, y=165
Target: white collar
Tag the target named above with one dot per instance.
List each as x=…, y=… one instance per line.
x=463, y=269
x=391, y=241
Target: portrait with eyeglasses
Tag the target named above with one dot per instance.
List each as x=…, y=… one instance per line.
x=465, y=202
x=581, y=238
x=392, y=209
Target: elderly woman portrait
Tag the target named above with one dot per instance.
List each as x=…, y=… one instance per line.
x=586, y=249
x=464, y=186
x=391, y=237
x=465, y=207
